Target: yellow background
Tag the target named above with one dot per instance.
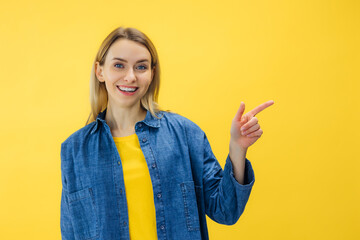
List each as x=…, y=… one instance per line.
x=304, y=55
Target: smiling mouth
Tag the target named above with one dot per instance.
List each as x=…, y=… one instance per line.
x=127, y=89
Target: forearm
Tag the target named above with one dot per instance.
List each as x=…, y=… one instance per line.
x=237, y=157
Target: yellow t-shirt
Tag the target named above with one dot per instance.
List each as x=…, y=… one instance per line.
x=138, y=188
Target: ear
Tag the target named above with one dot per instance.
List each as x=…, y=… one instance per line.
x=99, y=72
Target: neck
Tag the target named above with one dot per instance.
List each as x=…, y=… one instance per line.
x=122, y=120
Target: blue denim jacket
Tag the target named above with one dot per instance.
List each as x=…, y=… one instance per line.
x=187, y=180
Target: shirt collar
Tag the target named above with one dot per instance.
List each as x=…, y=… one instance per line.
x=149, y=120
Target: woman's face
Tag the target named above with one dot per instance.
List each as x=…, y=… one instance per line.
x=126, y=72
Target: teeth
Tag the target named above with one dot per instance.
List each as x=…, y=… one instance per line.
x=127, y=89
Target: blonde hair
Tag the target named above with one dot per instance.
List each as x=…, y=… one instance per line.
x=98, y=92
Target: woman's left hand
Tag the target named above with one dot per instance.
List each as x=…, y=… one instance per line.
x=245, y=129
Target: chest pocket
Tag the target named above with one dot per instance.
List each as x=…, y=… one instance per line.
x=190, y=206
x=83, y=214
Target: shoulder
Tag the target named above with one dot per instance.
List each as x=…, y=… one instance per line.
x=79, y=135
x=72, y=146
x=180, y=121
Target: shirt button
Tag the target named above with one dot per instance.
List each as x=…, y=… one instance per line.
x=162, y=227
x=144, y=139
x=118, y=162
x=140, y=124
x=153, y=165
x=159, y=195
x=120, y=191
x=124, y=223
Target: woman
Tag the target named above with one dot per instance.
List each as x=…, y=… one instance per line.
x=143, y=173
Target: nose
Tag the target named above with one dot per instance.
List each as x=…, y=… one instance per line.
x=130, y=76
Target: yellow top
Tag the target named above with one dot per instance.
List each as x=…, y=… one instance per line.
x=138, y=188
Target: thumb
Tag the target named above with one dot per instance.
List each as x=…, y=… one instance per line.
x=240, y=112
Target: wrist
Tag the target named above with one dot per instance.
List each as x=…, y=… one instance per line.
x=234, y=145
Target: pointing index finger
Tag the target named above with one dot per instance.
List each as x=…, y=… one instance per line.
x=261, y=107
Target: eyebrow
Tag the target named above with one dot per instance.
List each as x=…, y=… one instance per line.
x=142, y=60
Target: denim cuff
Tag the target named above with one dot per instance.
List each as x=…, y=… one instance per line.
x=249, y=177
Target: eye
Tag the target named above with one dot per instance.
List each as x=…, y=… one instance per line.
x=119, y=64
x=142, y=67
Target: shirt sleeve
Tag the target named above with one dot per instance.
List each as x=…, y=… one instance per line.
x=225, y=197
x=67, y=232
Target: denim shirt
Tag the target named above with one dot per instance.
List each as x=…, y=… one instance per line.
x=187, y=181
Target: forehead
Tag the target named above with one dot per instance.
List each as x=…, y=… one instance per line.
x=128, y=50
